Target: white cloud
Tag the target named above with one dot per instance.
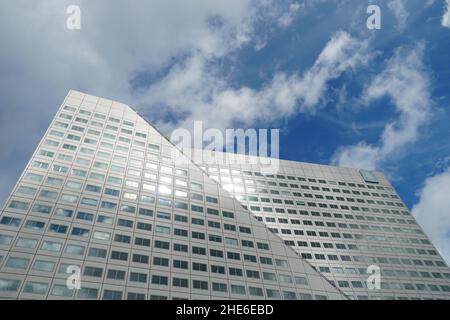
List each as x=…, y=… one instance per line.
x=406, y=82
x=446, y=16
x=192, y=88
x=398, y=8
x=41, y=59
x=289, y=15
x=433, y=213
x=361, y=155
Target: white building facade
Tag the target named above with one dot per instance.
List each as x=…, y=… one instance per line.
x=103, y=212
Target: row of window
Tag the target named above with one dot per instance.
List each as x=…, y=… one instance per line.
x=100, y=122
x=222, y=170
x=41, y=288
x=368, y=260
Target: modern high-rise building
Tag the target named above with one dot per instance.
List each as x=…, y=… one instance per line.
x=102, y=211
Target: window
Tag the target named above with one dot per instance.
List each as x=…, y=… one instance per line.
x=96, y=252
x=122, y=238
x=233, y=255
x=9, y=285
x=62, y=290
x=180, y=247
x=180, y=282
x=199, y=250
x=66, y=213
x=33, y=177
x=237, y=289
x=235, y=272
x=215, y=238
x=198, y=235
x=9, y=221
x=163, y=215
x=92, y=188
x=196, y=266
x=146, y=212
x=116, y=274
x=26, y=243
x=17, y=263
x=128, y=209
x=216, y=253
x=27, y=190
x=252, y=274
x=272, y=293
x=112, y=295
x=138, y=277
x=148, y=227
x=85, y=216
x=117, y=255
x=36, y=287
x=98, y=235
x=69, y=198
x=73, y=249
x=180, y=264
x=93, y=272
x=40, y=208
x=72, y=185
x=231, y=241
x=31, y=224
x=289, y=295
x=51, y=246
x=160, y=280
x=139, y=258
x=19, y=205
x=58, y=228
x=108, y=205
x=142, y=242
x=217, y=269
x=200, y=285
x=220, y=287
x=80, y=232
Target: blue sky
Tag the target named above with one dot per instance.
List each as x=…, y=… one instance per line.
x=340, y=93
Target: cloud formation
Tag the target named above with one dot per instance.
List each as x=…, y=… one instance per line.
x=41, y=59
x=433, y=211
x=192, y=90
x=406, y=83
x=446, y=17
x=398, y=8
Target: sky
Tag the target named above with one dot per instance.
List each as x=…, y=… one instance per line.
x=340, y=93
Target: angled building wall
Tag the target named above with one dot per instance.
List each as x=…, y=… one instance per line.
x=342, y=221
x=102, y=193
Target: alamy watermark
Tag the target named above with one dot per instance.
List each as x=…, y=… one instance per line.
x=373, y=282
x=73, y=21
x=73, y=282
x=258, y=147
x=374, y=20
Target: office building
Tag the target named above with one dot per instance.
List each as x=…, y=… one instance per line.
x=102, y=194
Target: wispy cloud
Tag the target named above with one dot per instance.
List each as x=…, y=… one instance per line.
x=446, y=16
x=194, y=91
x=116, y=41
x=398, y=8
x=432, y=211
x=289, y=15
x=406, y=82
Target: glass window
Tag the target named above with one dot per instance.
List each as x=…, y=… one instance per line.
x=62, y=290
x=45, y=266
x=17, y=263
x=5, y=240
x=9, y=221
x=19, y=205
x=9, y=285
